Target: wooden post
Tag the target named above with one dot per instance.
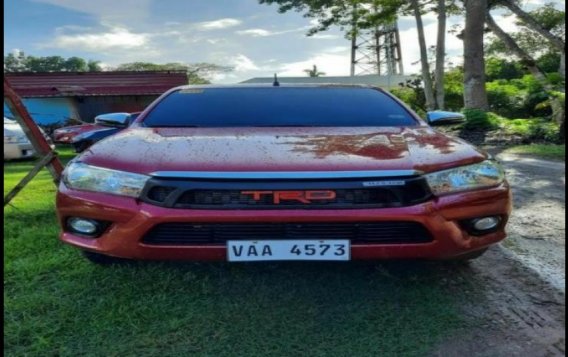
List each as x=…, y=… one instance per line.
x=39, y=143
x=37, y=168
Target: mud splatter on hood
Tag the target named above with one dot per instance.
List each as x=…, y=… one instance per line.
x=146, y=150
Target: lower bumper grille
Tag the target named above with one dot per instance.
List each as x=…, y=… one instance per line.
x=219, y=233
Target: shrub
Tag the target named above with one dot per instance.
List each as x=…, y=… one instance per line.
x=498, y=68
x=453, y=87
x=477, y=119
x=506, y=99
x=532, y=130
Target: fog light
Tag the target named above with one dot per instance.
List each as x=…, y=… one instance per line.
x=83, y=226
x=486, y=223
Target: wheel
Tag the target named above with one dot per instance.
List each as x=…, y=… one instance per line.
x=101, y=259
x=470, y=256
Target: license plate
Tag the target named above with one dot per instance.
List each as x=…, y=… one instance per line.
x=266, y=250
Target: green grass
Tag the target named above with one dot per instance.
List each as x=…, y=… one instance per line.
x=56, y=303
x=547, y=151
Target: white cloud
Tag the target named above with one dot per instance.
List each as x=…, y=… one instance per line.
x=334, y=62
x=411, y=50
x=242, y=63
x=112, y=11
x=507, y=23
x=256, y=32
x=337, y=49
x=218, y=24
x=322, y=36
x=114, y=37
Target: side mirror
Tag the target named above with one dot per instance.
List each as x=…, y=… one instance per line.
x=117, y=120
x=443, y=118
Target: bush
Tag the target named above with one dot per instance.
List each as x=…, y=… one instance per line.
x=453, y=87
x=531, y=130
x=506, y=99
x=477, y=119
x=498, y=68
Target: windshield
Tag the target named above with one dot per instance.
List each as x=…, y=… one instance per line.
x=278, y=106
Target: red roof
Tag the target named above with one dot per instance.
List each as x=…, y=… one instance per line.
x=63, y=84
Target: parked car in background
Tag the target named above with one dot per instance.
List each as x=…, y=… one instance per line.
x=261, y=173
x=16, y=143
x=66, y=134
x=105, y=128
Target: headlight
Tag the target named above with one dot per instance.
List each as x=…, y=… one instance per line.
x=81, y=176
x=485, y=174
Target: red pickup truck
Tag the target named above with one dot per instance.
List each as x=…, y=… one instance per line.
x=260, y=173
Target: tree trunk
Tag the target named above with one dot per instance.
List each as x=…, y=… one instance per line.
x=441, y=54
x=533, y=24
x=475, y=94
x=562, y=69
x=536, y=26
x=558, y=110
x=426, y=78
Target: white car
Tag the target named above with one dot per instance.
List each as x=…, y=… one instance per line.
x=16, y=144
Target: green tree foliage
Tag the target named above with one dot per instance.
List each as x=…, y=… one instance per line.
x=500, y=68
x=550, y=18
x=314, y=72
x=76, y=64
x=343, y=13
x=94, y=66
x=549, y=62
x=22, y=63
x=197, y=73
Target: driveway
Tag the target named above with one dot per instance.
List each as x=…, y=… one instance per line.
x=521, y=311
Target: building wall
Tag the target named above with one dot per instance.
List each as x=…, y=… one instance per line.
x=90, y=107
x=54, y=112
x=48, y=111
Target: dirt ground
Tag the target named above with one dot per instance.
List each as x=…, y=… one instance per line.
x=522, y=280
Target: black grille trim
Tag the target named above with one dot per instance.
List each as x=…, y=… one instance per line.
x=393, y=232
x=226, y=194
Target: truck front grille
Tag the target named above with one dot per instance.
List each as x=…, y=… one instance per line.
x=233, y=195
x=392, y=232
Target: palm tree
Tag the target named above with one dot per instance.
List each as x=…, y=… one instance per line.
x=314, y=72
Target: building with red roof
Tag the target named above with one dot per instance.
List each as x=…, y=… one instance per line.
x=60, y=98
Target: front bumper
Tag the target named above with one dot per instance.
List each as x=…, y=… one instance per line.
x=131, y=219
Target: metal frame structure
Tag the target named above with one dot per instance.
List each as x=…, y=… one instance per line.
x=376, y=51
x=41, y=146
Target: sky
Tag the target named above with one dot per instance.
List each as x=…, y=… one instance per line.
x=254, y=39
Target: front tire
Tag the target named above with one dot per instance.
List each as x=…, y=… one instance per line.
x=101, y=259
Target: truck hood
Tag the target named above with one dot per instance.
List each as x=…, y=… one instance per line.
x=147, y=150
